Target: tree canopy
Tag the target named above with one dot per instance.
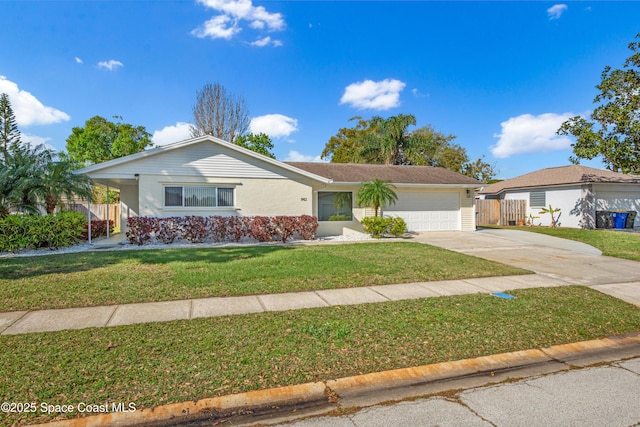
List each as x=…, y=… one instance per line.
x=260, y=143
x=613, y=131
x=389, y=141
x=101, y=140
x=219, y=113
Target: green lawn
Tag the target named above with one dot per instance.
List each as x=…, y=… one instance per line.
x=612, y=243
x=117, y=277
x=160, y=363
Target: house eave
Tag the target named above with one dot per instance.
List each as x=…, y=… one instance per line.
x=553, y=186
x=413, y=185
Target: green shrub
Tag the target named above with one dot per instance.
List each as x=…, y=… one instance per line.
x=340, y=218
x=398, y=226
x=33, y=232
x=378, y=227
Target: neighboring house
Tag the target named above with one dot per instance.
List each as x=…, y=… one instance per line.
x=579, y=192
x=207, y=176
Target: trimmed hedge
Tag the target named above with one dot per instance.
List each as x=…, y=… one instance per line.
x=48, y=231
x=197, y=229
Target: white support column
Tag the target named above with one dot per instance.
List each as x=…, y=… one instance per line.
x=107, y=211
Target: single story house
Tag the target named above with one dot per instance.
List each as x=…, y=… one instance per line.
x=207, y=176
x=579, y=192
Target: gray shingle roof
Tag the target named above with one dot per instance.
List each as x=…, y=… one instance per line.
x=573, y=174
x=349, y=172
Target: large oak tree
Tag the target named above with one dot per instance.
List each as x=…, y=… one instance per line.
x=613, y=131
x=101, y=140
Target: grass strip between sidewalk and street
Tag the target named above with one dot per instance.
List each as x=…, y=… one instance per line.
x=159, y=363
x=131, y=276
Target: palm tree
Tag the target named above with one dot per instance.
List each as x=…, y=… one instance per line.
x=20, y=180
x=390, y=143
x=58, y=181
x=30, y=177
x=376, y=194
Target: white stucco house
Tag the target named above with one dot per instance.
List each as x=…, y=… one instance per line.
x=579, y=191
x=207, y=176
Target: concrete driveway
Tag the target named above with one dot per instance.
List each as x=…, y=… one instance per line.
x=573, y=262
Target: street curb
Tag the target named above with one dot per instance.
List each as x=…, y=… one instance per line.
x=330, y=391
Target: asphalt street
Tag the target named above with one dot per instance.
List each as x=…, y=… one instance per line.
x=595, y=396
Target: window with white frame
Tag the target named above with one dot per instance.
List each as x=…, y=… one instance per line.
x=200, y=196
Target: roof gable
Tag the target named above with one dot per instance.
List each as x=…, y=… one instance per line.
x=563, y=175
x=356, y=173
x=202, y=155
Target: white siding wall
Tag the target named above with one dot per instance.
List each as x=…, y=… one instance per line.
x=203, y=159
x=467, y=210
x=566, y=198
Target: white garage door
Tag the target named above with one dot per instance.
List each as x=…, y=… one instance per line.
x=427, y=211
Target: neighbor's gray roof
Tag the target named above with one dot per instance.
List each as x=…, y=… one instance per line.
x=573, y=174
x=350, y=172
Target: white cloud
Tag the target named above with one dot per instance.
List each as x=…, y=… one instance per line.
x=531, y=134
x=218, y=27
x=110, y=65
x=27, y=109
x=274, y=125
x=169, y=134
x=556, y=11
x=78, y=60
x=236, y=11
x=34, y=141
x=266, y=41
x=294, y=156
x=417, y=93
x=368, y=94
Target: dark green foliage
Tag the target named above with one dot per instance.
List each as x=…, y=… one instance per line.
x=101, y=140
x=260, y=143
x=613, y=133
x=9, y=133
x=33, y=232
x=30, y=177
x=388, y=141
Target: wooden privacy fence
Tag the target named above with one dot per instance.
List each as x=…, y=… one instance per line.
x=100, y=212
x=500, y=212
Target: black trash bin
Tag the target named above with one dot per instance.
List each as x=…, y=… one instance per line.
x=631, y=219
x=603, y=219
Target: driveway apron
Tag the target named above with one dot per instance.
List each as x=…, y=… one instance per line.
x=573, y=262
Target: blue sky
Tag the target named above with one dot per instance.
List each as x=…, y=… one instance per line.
x=501, y=76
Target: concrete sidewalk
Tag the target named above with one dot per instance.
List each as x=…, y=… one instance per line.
x=23, y=322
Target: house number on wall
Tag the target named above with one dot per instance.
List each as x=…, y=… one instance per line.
x=303, y=199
